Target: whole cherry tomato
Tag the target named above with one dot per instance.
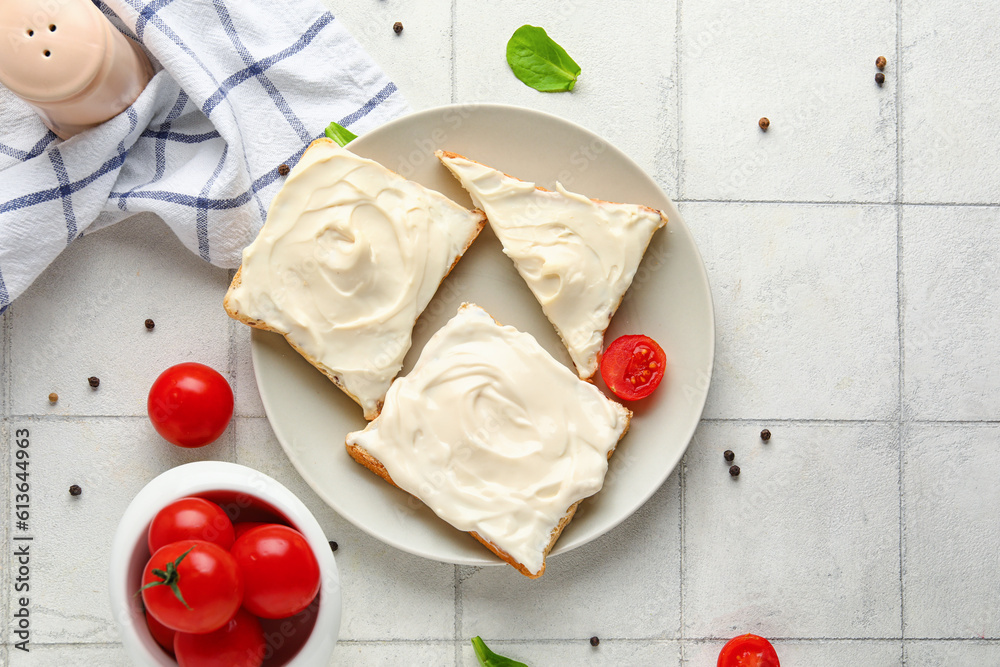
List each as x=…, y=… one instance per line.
x=280, y=570
x=190, y=404
x=633, y=367
x=239, y=642
x=163, y=635
x=192, y=586
x=748, y=651
x=191, y=519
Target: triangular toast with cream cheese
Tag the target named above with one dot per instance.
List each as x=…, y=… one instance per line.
x=350, y=255
x=577, y=255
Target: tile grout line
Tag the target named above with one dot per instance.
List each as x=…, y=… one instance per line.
x=678, y=19
x=458, y=616
x=848, y=422
x=677, y=85
x=900, y=317
x=682, y=483
x=839, y=202
x=454, y=20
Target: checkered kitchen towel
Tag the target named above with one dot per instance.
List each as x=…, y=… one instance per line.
x=245, y=86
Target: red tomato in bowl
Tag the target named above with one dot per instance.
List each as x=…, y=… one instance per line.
x=190, y=404
x=748, y=651
x=280, y=570
x=192, y=586
x=163, y=635
x=239, y=642
x=191, y=519
x=633, y=367
x=245, y=527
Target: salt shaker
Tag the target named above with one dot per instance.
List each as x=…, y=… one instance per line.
x=65, y=59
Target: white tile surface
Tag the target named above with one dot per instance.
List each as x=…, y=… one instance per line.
x=418, y=60
x=85, y=317
x=70, y=656
x=809, y=653
x=248, y=403
x=387, y=594
x=784, y=550
x=805, y=546
x=624, y=584
x=833, y=130
x=950, y=559
x=805, y=305
x=609, y=653
x=952, y=654
x=393, y=654
x=951, y=99
x=111, y=459
x=625, y=94
x=951, y=297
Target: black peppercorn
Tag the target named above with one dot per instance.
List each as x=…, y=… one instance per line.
x=765, y=435
x=75, y=490
x=150, y=324
x=283, y=169
x=333, y=546
x=728, y=455
x=397, y=27
x=94, y=382
x=594, y=641
x=734, y=471
x=879, y=78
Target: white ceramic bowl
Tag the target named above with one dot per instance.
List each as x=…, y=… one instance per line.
x=250, y=496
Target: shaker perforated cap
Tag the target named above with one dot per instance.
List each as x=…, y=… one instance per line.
x=51, y=51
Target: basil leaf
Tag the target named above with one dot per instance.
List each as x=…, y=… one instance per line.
x=540, y=62
x=340, y=134
x=488, y=658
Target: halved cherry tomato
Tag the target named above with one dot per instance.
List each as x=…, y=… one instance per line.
x=239, y=642
x=163, y=635
x=190, y=404
x=191, y=519
x=280, y=570
x=192, y=586
x=633, y=366
x=748, y=651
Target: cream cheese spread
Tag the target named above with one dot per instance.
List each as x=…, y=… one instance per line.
x=350, y=255
x=494, y=435
x=577, y=255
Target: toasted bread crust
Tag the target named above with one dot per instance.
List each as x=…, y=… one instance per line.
x=232, y=311
x=663, y=216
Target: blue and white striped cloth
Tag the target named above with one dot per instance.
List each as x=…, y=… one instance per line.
x=245, y=86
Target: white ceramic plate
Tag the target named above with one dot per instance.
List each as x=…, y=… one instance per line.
x=669, y=300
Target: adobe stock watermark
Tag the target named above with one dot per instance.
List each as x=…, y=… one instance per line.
x=21, y=549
